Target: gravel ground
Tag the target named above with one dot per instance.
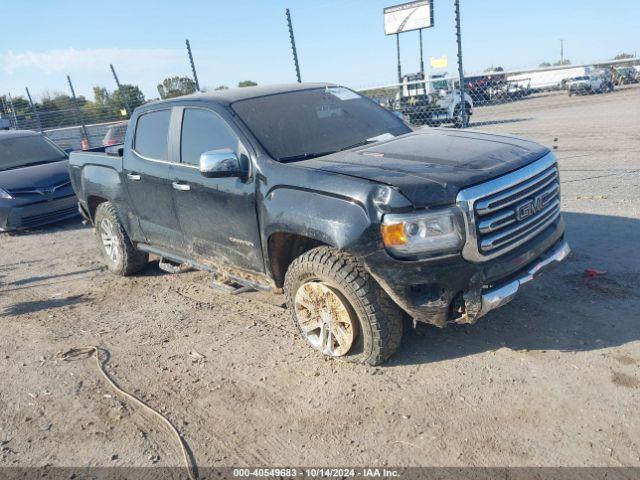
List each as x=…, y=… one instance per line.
x=551, y=379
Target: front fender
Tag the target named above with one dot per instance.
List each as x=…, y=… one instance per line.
x=333, y=220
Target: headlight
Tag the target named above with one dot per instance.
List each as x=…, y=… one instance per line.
x=4, y=194
x=423, y=233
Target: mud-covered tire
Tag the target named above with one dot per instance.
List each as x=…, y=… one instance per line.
x=379, y=320
x=127, y=260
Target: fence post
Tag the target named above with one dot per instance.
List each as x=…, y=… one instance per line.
x=293, y=46
x=84, y=128
x=13, y=118
x=421, y=56
x=463, y=106
x=193, y=66
x=122, y=92
x=33, y=109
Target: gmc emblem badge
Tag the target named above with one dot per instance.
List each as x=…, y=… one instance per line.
x=528, y=208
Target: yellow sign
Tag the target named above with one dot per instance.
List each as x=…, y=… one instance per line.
x=440, y=62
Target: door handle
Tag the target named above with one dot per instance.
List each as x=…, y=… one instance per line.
x=183, y=187
x=133, y=176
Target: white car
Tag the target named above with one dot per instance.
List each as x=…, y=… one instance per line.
x=589, y=84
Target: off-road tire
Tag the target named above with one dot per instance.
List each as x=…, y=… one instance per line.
x=379, y=319
x=130, y=260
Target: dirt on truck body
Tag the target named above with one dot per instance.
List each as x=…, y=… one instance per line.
x=335, y=201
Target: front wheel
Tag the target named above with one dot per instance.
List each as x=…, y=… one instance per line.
x=118, y=253
x=458, y=121
x=339, y=309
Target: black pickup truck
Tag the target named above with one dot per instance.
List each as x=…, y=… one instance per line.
x=316, y=190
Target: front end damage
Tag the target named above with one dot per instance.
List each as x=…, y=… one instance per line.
x=452, y=290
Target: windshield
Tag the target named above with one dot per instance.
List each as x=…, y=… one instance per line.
x=311, y=123
x=18, y=152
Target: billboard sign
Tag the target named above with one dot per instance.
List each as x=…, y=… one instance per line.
x=408, y=16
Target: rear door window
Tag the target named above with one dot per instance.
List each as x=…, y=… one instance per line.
x=152, y=133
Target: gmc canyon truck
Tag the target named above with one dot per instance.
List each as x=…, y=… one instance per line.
x=320, y=192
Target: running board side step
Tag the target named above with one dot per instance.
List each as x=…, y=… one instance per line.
x=222, y=281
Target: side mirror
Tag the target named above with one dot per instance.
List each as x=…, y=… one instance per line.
x=220, y=163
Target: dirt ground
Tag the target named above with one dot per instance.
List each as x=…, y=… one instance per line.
x=551, y=379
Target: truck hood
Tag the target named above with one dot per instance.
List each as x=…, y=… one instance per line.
x=432, y=165
x=36, y=176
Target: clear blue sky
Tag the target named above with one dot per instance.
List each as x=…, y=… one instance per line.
x=338, y=40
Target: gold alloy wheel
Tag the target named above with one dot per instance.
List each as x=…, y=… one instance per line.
x=325, y=319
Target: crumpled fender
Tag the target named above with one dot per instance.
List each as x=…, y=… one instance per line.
x=334, y=220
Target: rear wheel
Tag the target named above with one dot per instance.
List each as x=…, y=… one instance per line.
x=339, y=309
x=118, y=253
x=458, y=121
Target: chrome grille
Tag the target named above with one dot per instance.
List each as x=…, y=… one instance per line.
x=506, y=212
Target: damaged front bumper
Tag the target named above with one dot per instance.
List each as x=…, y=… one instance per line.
x=452, y=290
x=502, y=294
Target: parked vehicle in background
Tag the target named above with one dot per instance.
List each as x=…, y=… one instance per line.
x=593, y=83
x=34, y=181
x=431, y=101
x=625, y=75
x=115, y=134
x=317, y=190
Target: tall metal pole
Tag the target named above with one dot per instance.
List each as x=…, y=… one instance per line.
x=13, y=118
x=421, y=55
x=561, y=51
x=193, y=65
x=122, y=91
x=293, y=46
x=33, y=109
x=398, y=55
x=75, y=103
x=463, y=106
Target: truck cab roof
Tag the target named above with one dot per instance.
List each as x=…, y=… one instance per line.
x=227, y=97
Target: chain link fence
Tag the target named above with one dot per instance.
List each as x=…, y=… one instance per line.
x=73, y=122
x=437, y=100
x=80, y=123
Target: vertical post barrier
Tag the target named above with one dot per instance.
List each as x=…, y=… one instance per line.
x=193, y=66
x=398, y=55
x=33, y=109
x=13, y=118
x=293, y=46
x=86, y=144
x=463, y=106
x=421, y=55
x=121, y=90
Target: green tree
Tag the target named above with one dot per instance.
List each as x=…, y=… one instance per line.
x=21, y=106
x=101, y=96
x=559, y=63
x=221, y=87
x=623, y=56
x=176, y=86
x=133, y=94
x=247, y=83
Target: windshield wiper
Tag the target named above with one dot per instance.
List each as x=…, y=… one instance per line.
x=376, y=139
x=304, y=156
x=359, y=144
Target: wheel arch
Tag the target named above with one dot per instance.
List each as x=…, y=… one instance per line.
x=297, y=220
x=283, y=248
